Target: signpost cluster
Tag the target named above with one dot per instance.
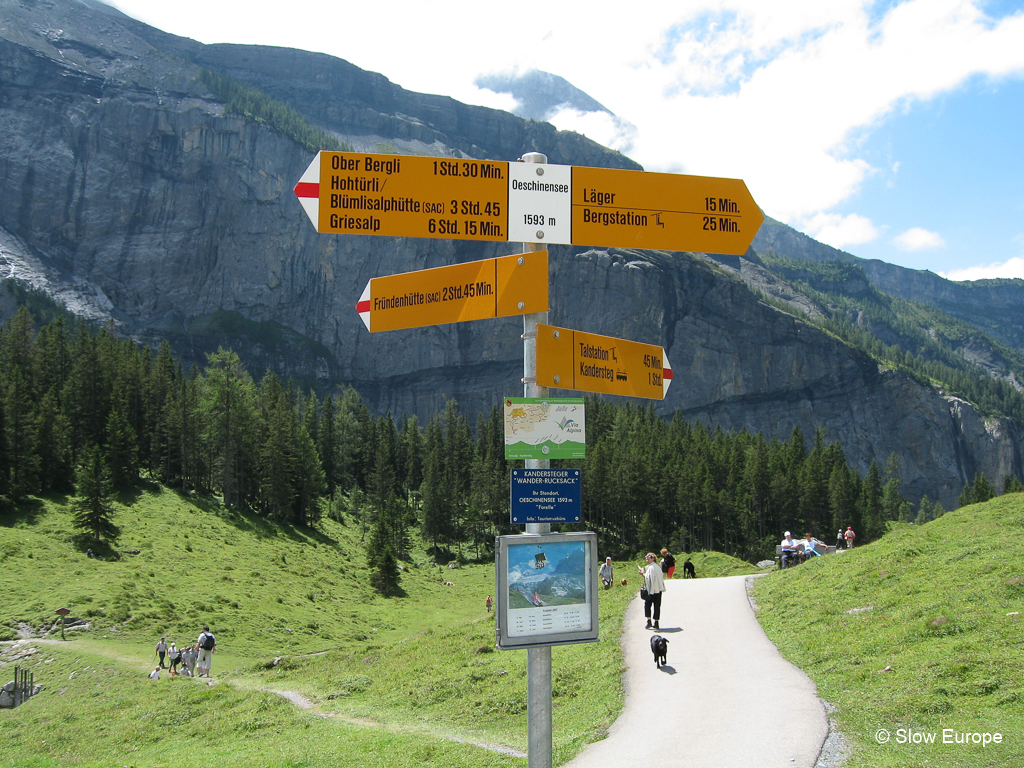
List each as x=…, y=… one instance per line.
x=545, y=583
x=405, y=196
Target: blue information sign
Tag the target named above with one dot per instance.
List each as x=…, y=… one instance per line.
x=546, y=496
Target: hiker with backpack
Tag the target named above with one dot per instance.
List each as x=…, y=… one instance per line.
x=205, y=644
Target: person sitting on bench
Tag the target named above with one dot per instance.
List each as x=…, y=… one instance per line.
x=810, y=547
x=790, y=550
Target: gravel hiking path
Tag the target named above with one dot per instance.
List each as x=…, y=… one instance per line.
x=726, y=697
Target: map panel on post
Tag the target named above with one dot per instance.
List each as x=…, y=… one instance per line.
x=545, y=428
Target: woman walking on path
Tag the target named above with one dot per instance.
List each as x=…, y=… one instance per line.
x=668, y=564
x=654, y=585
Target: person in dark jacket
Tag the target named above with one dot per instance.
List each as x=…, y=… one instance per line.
x=668, y=564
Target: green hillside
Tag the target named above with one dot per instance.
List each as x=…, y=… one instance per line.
x=919, y=631
x=415, y=676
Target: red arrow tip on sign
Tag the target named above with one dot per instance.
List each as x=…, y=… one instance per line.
x=363, y=306
x=308, y=191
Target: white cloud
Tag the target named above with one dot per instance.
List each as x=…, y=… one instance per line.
x=838, y=230
x=600, y=126
x=775, y=93
x=918, y=239
x=1012, y=268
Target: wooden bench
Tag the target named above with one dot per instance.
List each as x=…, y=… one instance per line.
x=822, y=549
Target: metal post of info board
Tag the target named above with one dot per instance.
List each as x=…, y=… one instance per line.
x=538, y=660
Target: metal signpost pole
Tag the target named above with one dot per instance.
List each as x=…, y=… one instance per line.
x=538, y=660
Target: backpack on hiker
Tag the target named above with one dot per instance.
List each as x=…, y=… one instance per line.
x=207, y=641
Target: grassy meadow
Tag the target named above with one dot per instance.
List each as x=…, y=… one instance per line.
x=918, y=633
x=415, y=676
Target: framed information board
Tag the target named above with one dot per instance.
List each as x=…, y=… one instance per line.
x=545, y=496
x=546, y=588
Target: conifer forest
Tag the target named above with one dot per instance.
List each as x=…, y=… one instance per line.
x=88, y=414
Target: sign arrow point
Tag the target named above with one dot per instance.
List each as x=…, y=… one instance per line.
x=363, y=306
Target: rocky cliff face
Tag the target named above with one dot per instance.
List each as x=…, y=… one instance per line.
x=993, y=306
x=126, y=189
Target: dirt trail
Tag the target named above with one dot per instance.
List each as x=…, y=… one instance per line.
x=296, y=698
x=302, y=702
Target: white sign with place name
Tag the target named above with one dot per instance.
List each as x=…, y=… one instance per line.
x=540, y=203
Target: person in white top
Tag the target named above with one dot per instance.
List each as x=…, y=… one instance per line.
x=790, y=550
x=654, y=583
x=810, y=547
x=205, y=645
x=161, y=649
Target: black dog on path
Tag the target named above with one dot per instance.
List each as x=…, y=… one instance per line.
x=659, y=647
x=688, y=570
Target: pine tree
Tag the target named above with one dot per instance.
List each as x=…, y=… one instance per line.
x=435, y=524
x=18, y=392
x=86, y=395
x=813, y=478
x=1012, y=485
x=843, y=498
x=894, y=506
x=353, y=439
x=276, y=456
x=52, y=430
x=21, y=433
x=161, y=391
x=93, y=508
x=871, y=504
x=383, y=481
x=310, y=483
x=5, y=473
x=410, y=442
x=121, y=448
x=326, y=445
x=647, y=536
x=924, y=511
x=227, y=405
x=381, y=559
x=982, y=489
x=966, y=495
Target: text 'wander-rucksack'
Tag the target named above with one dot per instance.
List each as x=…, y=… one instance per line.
x=207, y=642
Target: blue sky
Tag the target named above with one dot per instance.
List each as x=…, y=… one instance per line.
x=888, y=129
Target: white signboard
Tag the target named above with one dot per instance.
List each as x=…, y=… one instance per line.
x=540, y=203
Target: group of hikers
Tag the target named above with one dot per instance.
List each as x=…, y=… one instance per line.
x=654, y=573
x=195, y=660
x=667, y=565
x=799, y=550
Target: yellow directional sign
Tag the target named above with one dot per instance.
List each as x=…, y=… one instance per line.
x=436, y=197
x=662, y=211
x=587, y=362
x=477, y=290
x=406, y=196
